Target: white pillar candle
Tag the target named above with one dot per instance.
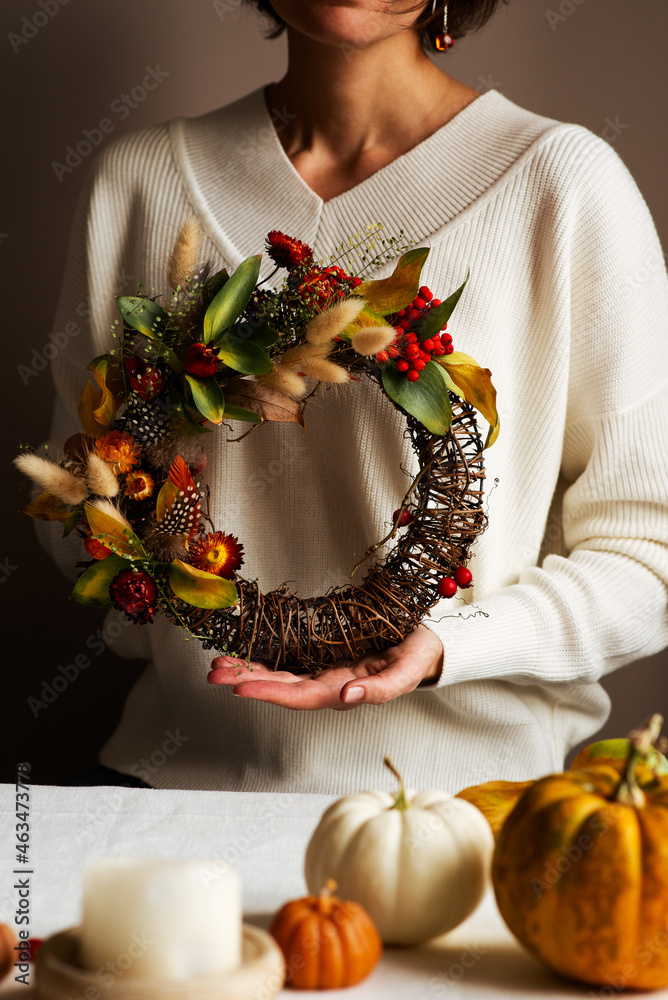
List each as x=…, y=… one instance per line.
x=161, y=918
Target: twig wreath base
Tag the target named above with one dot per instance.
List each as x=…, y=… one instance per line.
x=303, y=635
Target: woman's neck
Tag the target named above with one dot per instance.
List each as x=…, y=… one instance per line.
x=357, y=109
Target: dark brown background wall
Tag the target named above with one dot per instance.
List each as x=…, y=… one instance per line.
x=65, y=62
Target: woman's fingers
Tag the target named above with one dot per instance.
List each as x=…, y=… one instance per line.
x=383, y=682
x=227, y=670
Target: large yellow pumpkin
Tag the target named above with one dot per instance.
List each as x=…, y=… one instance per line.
x=580, y=873
x=497, y=799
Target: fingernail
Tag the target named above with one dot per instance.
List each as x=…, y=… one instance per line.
x=354, y=694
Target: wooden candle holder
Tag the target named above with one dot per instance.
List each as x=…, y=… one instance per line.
x=59, y=975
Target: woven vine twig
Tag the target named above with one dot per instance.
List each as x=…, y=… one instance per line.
x=299, y=634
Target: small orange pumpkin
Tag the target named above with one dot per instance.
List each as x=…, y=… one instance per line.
x=327, y=942
x=580, y=872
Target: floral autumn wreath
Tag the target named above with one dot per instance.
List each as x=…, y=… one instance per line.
x=224, y=348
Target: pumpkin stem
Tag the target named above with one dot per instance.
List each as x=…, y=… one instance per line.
x=326, y=900
x=641, y=744
x=401, y=801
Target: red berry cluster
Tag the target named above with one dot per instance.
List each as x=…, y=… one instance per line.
x=447, y=586
x=411, y=354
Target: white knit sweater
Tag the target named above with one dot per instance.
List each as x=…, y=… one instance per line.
x=567, y=304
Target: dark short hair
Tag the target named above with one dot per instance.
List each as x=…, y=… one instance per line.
x=464, y=16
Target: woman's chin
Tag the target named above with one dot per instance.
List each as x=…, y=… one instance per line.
x=354, y=25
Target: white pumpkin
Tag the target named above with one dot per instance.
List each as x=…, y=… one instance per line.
x=418, y=862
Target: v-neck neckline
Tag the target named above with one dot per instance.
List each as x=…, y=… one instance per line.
x=242, y=183
x=419, y=147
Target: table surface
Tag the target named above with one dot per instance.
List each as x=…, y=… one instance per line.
x=264, y=836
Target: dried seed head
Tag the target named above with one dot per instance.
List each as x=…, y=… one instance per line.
x=184, y=258
x=371, y=339
x=333, y=321
x=53, y=479
x=101, y=479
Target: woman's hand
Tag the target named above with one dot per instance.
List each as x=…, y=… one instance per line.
x=372, y=680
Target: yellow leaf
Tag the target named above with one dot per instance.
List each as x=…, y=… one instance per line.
x=389, y=295
x=89, y=403
x=201, y=589
x=108, y=378
x=474, y=384
x=46, y=507
x=114, y=534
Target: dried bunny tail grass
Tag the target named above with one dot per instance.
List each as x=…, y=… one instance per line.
x=184, y=258
x=111, y=510
x=101, y=479
x=333, y=321
x=371, y=339
x=284, y=378
x=65, y=485
x=324, y=371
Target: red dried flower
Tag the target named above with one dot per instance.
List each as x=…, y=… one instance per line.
x=201, y=360
x=287, y=251
x=146, y=380
x=318, y=287
x=217, y=553
x=134, y=592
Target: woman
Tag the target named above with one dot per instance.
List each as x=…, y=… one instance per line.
x=570, y=576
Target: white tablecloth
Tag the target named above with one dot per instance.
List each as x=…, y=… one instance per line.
x=264, y=836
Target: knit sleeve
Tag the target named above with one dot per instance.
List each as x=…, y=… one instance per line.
x=600, y=603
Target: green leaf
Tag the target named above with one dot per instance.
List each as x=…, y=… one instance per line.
x=233, y=412
x=260, y=334
x=151, y=320
x=143, y=315
x=243, y=356
x=92, y=587
x=214, y=285
x=232, y=299
x=437, y=317
x=389, y=295
x=112, y=533
x=426, y=400
x=201, y=589
x=71, y=522
x=207, y=397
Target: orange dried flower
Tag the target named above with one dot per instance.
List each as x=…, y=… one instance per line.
x=119, y=449
x=217, y=553
x=139, y=484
